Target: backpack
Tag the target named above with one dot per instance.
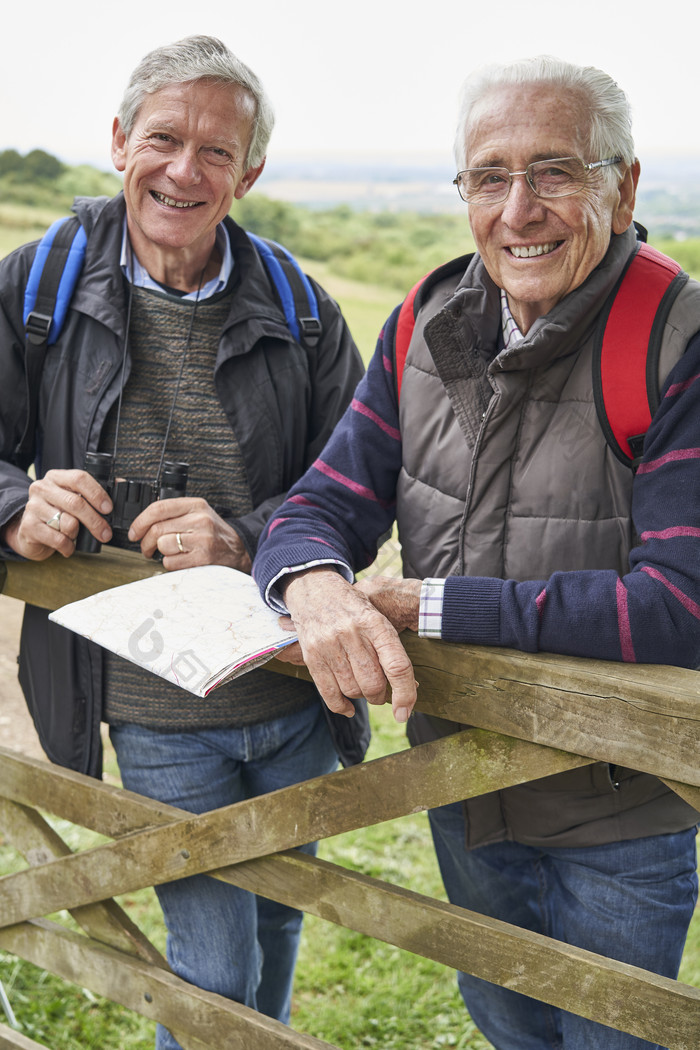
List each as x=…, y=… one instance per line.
x=52, y=278
x=627, y=343
x=54, y=273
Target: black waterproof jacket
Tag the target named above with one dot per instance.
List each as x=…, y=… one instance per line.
x=282, y=401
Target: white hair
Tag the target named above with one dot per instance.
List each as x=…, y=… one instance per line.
x=608, y=108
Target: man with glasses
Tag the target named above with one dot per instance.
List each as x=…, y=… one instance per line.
x=520, y=528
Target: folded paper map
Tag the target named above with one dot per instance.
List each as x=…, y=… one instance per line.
x=196, y=627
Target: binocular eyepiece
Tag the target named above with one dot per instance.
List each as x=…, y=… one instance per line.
x=129, y=495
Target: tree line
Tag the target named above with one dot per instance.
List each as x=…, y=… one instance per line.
x=392, y=249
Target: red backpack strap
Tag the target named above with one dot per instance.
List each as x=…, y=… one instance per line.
x=405, y=324
x=406, y=320
x=627, y=347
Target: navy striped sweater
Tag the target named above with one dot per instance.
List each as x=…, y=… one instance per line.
x=345, y=502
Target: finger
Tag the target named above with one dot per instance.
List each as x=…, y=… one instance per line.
x=400, y=675
x=163, y=512
x=172, y=545
x=46, y=499
x=327, y=681
x=59, y=486
x=291, y=654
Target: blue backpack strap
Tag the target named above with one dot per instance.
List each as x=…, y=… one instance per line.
x=52, y=278
x=294, y=290
x=56, y=267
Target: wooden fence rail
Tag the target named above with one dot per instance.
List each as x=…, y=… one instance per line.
x=534, y=715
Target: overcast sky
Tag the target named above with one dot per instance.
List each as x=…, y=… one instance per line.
x=370, y=76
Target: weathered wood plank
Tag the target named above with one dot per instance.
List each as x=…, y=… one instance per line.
x=152, y=992
x=420, y=925
x=104, y=808
x=57, y=581
x=11, y=1039
x=433, y=774
x=645, y=717
x=613, y=993
x=642, y=716
x=104, y=921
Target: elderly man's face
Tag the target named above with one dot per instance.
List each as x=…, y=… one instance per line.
x=183, y=165
x=517, y=126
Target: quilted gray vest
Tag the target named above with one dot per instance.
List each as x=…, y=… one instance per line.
x=506, y=473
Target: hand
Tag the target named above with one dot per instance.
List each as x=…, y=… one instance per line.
x=397, y=599
x=188, y=532
x=77, y=497
x=291, y=654
x=349, y=646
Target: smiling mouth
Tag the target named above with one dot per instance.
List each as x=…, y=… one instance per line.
x=530, y=251
x=172, y=203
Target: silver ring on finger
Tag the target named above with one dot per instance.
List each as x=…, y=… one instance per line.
x=178, y=537
x=54, y=522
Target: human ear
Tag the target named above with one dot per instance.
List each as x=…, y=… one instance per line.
x=627, y=192
x=248, y=179
x=118, y=146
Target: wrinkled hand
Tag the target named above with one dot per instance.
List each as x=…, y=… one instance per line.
x=350, y=648
x=204, y=536
x=80, y=500
x=397, y=599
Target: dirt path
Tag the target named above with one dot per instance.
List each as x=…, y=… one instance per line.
x=16, y=728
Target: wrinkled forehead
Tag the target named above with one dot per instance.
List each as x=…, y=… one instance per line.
x=232, y=101
x=527, y=121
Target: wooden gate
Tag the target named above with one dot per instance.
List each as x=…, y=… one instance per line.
x=536, y=715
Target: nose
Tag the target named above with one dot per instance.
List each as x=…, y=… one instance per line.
x=183, y=167
x=522, y=206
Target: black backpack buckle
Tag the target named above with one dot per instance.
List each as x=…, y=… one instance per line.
x=37, y=327
x=310, y=328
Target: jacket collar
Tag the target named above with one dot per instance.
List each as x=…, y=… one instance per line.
x=101, y=291
x=475, y=309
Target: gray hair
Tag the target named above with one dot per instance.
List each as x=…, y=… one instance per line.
x=198, y=58
x=610, y=130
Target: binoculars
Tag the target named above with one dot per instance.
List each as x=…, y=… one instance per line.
x=129, y=495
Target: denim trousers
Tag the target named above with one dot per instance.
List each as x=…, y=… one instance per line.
x=631, y=901
x=222, y=938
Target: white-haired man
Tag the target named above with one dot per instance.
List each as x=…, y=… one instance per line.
x=518, y=528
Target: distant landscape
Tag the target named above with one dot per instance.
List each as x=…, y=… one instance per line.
x=668, y=200
x=376, y=221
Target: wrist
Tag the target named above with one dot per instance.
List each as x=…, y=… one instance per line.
x=299, y=583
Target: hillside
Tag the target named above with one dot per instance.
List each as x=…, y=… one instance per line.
x=384, y=224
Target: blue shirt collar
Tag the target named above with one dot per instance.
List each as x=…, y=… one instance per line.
x=137, y=275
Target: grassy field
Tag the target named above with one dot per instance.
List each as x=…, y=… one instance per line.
x=350, y=990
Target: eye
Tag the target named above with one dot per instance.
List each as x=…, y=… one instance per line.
x=478, y=179
x=159, y=140
x=553, y=171
x=218, y=155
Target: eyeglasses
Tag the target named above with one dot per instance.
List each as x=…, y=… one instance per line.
x=561, y=177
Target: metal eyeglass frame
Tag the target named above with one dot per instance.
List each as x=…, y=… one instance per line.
x=588, y=168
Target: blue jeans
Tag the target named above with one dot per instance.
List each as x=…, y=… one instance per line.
x=631, y=901
x=222, y=938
